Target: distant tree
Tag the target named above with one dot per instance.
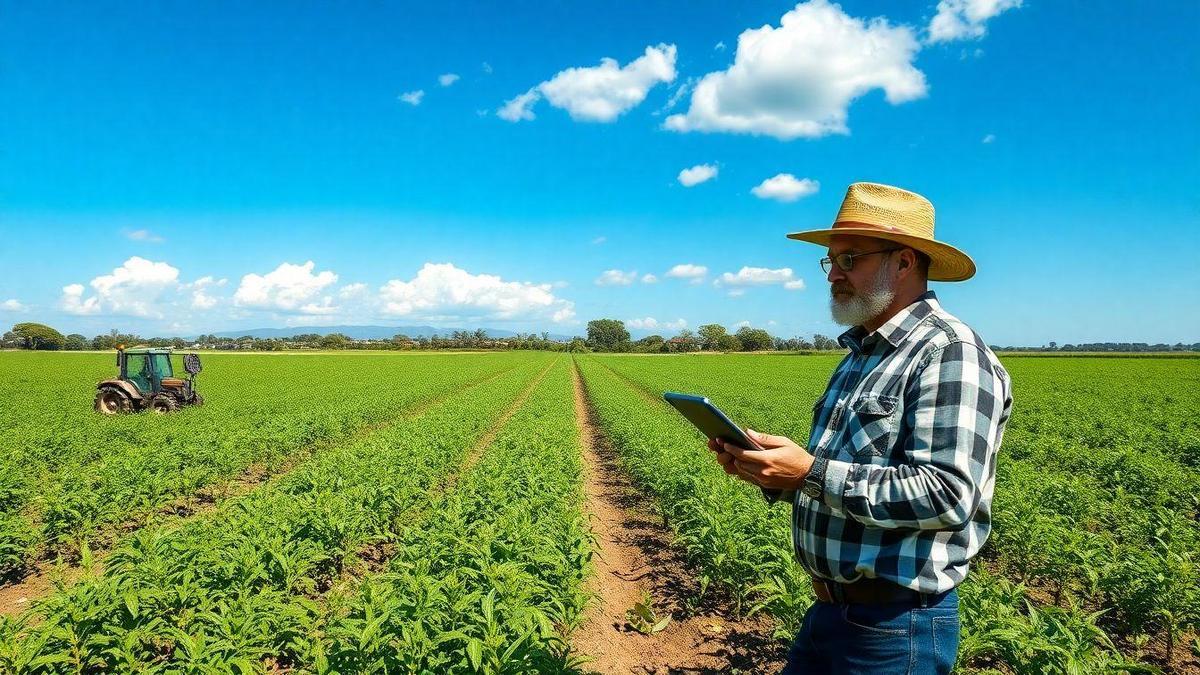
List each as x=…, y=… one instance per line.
x=649, y=344
x=753, y=339
x=685, y=341
x=710, y=336
x=822, y=342
x=1053, y=346
x=39, y=336
x=729, y=343
x=76, y=342
x=607, y=335
x=11, y=340
x=334, y=341
x=578, y=345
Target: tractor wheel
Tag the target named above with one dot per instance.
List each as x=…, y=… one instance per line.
x=163, y=404
x=111, y=402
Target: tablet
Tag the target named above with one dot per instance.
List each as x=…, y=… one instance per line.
x=709, y=419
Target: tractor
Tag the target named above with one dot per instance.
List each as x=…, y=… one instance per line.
x=147, y=382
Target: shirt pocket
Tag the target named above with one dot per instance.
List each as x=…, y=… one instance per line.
x=873, y=425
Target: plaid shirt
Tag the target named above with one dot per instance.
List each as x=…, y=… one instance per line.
x=905, y=440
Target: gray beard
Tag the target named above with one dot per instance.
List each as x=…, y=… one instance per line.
x=865, y=305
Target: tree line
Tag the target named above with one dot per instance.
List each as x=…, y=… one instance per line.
x=603, y=335
x=610, y=335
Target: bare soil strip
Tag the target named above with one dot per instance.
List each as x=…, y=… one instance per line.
x=16, y=597
x=634, y=560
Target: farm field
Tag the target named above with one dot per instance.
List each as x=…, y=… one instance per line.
x=431, y=513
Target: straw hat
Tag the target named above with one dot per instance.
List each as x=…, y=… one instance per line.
x=886, y=212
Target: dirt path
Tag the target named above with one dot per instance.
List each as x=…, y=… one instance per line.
x=16, y=597
x=634, y=559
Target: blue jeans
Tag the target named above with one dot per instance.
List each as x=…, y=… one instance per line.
x=886, y=639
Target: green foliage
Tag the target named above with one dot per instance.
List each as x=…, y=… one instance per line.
x=753, y=339
x=607, y=335
x=38, y=336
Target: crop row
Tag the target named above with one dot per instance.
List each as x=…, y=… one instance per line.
x=67, y=472
x=239, y=587
x=492, y=580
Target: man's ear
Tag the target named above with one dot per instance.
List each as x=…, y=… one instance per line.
x=907, y=262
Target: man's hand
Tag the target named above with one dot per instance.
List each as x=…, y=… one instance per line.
x=781, y=465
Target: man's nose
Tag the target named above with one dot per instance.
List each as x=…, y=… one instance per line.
x=835, y=274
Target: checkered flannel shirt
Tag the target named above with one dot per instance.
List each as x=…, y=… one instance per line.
x=905, y=440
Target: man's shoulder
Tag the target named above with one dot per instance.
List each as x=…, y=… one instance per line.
x=940, y=329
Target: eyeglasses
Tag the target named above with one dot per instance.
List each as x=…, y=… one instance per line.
x=845, y=261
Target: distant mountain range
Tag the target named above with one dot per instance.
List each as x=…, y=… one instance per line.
x=368, y=332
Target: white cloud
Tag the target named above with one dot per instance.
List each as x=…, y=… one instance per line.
x=599, y=240
x=650, y=323
x=785, y=187
x=486, y=68
x=519, y=107
x=677, y=95
x=798, y=80
x=447, y=79
x=720, y=46
x=697, y=174
x=741, y=324
x=649, y=279
x=443, y=292
x=133, y=289
x=761, y=276
x=598, y=93
x=412, y=97
x=990, y=138
x=201, y=299
x=693, y=273
x=12, y=305
x=353, y=291
x=616, y=278
x=965, y=19
x=144, y=235
x=289, y=288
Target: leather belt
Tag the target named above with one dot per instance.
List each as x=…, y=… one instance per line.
x=867, y=591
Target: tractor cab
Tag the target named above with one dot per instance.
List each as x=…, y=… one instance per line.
x=147, y=380
x=146, y=368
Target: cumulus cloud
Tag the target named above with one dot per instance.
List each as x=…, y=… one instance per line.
x=442, y=291
x=597, y=93
x=761, y=276
x=697, y=174
x=143, y=235
x=133, y=289
x=12, y=305
x=650, y=323
x=447, y=79
x=693, y=273
x=412, y=97
x=289, y=288
x=616, y=278
x=785, y=187
x=798, y=80
x=201, y=299
x=965, y=19
x=519, y=107
x=353, y=291
x=649, y=279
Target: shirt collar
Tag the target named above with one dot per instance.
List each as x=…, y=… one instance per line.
x=894, y=330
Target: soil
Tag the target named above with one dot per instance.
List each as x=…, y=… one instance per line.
x=635, y=559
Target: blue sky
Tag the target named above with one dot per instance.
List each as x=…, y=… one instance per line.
x=174, y=167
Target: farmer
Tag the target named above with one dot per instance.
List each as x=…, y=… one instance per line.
x=892, y=497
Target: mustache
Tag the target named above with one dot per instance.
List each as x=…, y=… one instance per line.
x=840, y=287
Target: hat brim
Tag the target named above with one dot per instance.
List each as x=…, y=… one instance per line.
x=946, y=263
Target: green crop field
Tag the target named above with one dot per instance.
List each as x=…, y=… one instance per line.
x=355, y=513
